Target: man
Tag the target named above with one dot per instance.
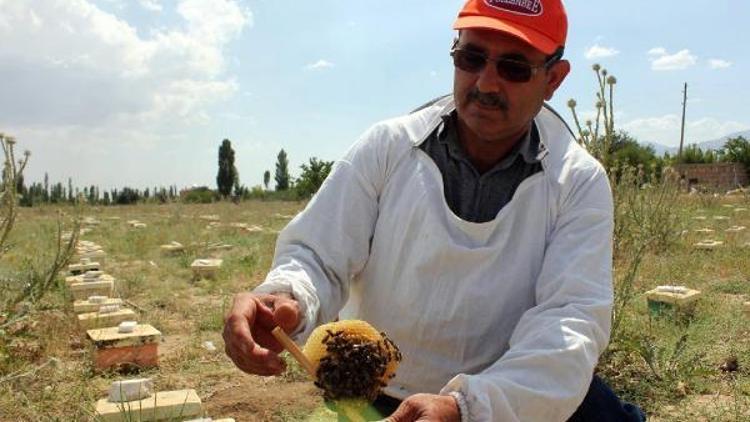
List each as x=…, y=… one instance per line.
x=475, y=232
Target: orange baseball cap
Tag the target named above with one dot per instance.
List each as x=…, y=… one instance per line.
x=541, y=23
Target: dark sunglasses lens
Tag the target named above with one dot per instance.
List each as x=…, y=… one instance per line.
x=468, y=61
x=514, y=71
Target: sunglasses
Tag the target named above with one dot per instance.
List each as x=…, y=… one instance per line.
x=511, y=70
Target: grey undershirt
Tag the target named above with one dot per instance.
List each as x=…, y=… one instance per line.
x=479, y=197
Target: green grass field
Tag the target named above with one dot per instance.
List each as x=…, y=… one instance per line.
x=671, y=365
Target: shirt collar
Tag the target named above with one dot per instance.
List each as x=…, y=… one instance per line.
x=529, y=146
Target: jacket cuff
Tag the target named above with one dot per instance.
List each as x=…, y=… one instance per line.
x=463, y=408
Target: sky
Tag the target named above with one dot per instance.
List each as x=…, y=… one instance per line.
x=141, y=93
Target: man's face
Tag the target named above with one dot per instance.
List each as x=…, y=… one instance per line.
x=509, y=107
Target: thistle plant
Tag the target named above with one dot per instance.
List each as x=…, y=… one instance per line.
x=643, y=199
x=31, y=284
x=597, y=135
x=8, y=195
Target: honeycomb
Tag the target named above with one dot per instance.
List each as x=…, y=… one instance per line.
x=351, y=359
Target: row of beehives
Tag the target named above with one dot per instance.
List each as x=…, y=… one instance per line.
x=731, y=232
x=119, y=340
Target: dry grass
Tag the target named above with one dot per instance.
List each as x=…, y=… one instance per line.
x=669, y=365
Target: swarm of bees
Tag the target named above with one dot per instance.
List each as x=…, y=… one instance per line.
x=352, y=360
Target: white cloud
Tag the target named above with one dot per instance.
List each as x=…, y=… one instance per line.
x=72, y=63
x=661, y=60
x=152, y=5
x=319, y=65
x=597, y=51
x=719, y=64
x=666, y=129
x=657, y=51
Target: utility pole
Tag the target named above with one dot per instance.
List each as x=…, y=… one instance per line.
x=682, y=130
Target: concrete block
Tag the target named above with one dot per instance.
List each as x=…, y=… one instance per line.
x=101, y=319
x=85, y=289
x=207, y=268
x=171, y=405
x=665, y=298
x=129, y=390
x=87, y=305
x=139, y=347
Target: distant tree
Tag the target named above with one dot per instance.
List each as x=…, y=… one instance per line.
x=106, y=198
x=20, y=187
x=737, y=150
x=693, y=154
x=312, y=177
x=227, y=176
x=282, y=171
x=266, y=178
x=46, y=187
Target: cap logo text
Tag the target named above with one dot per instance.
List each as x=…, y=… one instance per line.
x=520, y=7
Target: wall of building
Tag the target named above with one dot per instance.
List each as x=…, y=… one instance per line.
x=714, y=176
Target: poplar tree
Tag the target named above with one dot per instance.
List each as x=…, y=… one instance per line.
x=227, y=176
x=282, y=171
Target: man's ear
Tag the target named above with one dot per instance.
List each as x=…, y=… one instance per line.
x=555, y=76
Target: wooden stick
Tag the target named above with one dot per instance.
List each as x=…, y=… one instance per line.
x=292, y=347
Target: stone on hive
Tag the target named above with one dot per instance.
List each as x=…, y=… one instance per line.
x=139, y=347
x=169, y=405
x=129, y=390
x=126, y=327
x=670, y=297
x=91, y=320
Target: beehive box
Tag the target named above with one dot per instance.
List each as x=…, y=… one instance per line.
x=708, y=245
x=206, y=268
x=139, y=347
x=172, y=248
x=164, y=405
x=746, y=308
x=85, y=289
x=85, y=305
x=91, y=320
x=661, y=299
x=82, y=267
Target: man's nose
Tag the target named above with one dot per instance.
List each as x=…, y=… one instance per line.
x=488, y=80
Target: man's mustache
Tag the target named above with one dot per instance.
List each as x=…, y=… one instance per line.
x=488, y=99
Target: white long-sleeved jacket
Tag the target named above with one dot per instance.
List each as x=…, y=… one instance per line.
x=512, y=313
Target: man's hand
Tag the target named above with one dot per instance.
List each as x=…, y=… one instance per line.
x=427, y=407
x=247, y=331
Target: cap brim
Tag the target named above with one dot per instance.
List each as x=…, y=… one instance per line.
x=530, y=36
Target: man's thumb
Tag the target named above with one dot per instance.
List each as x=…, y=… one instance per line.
x=286, y=313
